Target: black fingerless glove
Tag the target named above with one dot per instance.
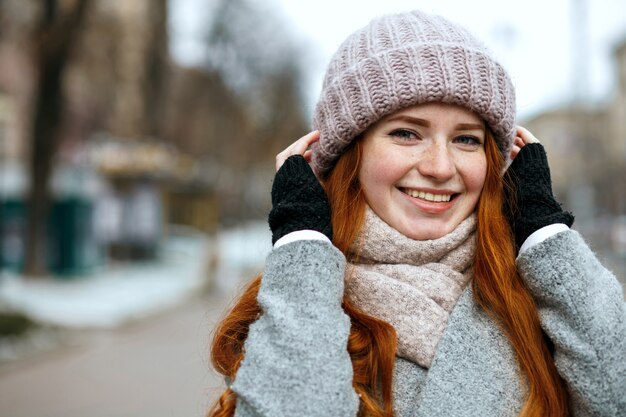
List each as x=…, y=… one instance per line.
x=298, y=201
x=534, y=205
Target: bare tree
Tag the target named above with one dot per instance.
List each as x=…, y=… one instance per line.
x=263, y=67
x=53, y=41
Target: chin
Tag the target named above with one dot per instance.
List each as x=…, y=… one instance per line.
x=426, y=234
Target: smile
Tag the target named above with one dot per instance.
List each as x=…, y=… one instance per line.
x=422, y=195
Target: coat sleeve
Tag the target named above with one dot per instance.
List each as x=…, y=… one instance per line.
x=581, y=307
x=296, y=361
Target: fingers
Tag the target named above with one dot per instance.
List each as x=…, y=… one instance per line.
x=523, y=137
x=518, y=144
x=514, y=151
x=299, y=147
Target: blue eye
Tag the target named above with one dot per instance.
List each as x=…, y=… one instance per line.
x=468, y=140
x=403, y=134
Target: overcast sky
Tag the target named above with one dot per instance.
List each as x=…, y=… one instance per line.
x=533, y=39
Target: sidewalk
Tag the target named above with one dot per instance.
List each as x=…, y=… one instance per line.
x=158, y=367
x=132, y=340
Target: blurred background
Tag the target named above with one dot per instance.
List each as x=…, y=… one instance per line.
x=137, y=144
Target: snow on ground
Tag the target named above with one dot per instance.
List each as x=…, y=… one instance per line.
x=242, y=253
x=119, y=293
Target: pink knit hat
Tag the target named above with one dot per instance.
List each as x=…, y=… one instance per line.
x=401, y=60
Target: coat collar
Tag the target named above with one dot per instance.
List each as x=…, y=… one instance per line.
x=475, y=371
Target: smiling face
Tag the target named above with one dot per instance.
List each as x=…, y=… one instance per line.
x=423, y=168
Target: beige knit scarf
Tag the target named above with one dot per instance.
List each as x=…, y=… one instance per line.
x=412, y=285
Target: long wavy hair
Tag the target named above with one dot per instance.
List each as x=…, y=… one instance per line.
x=497, y=288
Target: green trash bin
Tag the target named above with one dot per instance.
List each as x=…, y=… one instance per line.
x=72, y=249
x=12, y=233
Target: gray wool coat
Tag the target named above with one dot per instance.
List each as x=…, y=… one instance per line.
x=296, y=362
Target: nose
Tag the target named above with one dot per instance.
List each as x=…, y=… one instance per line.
x=436, y=162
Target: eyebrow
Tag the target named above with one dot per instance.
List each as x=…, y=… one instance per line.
x=409, y=119
x=470, y=126
x=425, y=123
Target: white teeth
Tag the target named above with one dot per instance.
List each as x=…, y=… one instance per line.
x=428, y=196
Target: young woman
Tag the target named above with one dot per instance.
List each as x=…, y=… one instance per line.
x=421, y=277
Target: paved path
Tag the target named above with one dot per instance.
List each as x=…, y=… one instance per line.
x=155, y=368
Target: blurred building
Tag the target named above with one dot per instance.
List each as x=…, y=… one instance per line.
x=586, y=146
x=617, y=109
x=12, y=182
x=117, y=183
x=142, y=142
x=9, y=145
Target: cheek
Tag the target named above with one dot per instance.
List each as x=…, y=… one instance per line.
x=378, y=169
x=474, y=175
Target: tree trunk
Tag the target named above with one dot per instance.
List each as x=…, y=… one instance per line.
x=54, y=39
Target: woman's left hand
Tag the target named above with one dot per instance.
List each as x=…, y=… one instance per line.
x=523, y=137
x=534, y=206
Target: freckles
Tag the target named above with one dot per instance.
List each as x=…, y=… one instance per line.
x=475, y=174
x=373, y=173
x=377, y=164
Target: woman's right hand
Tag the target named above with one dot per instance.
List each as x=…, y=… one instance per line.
x=298, y=199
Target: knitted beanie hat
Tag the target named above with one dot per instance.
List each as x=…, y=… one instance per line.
x=401, y=60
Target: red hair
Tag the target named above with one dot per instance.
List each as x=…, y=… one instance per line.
x=497, y=286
